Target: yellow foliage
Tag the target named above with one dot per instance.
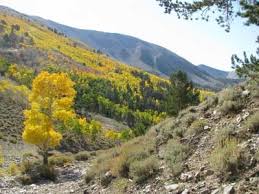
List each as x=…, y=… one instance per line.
x=51, y=101
x=112, y=134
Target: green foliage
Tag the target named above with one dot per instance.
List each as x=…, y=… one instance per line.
x=226, y=158
x=118, y=160
x=23, y=75
x=142, y=170
x=1, y=157
x=89, y=176
x=4, y=65
x=230, y=100
x=175, y=154
x=60, y=159
x=181, y=93
x=196, y=127
x=221, y=135
x=120, y=185
x=33, y=171
x=230, y=106
x=252, y=122
x=13, y=169
x=82, y=156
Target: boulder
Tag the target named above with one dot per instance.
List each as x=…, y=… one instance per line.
x=229, y=189
x=171, y=187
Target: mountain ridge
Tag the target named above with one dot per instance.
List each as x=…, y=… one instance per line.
x=138, y=53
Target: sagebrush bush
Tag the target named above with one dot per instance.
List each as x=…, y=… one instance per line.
x=89, y=176
x=117, y=161
x=223, y=134
x=60, y=159
x=82, y=156
x=142, y=170
x=196, y=127
x=229, y=94
x=33, y=171
x=175, y=154
x=253, y=122
x=229, y=106
x=1, y=157
x=13, y=169
x=257, y=156
x=226, y=159
x=120, y=185
x=212, y=101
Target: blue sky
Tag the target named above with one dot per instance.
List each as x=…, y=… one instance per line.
x=197, y=41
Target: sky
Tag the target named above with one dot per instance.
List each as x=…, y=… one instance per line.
x=199, y=42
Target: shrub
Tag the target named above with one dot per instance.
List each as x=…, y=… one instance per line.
x=257, y=156
x=230, y=106
x=142, y=170
x=253, y=122
x=223, y=134
x=118, y=160
x=227, y=158
x=47, y=172
x=82, y=156
x=89, y=177
x=33, y=171
x=120, y=185
x=1, y=157
x=25, y=179
x=229, y=94
x=212, y=101
x=106, y=179
x=196, y=127
x=60, y=159
x=13, y=169
x=175, y=155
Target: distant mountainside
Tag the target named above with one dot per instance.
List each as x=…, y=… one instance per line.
x=139, y=53
x=135, y=52
x=218, y=73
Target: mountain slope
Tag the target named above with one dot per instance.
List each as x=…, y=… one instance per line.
x=219, y=74
x=214, y=72
x=138, y=53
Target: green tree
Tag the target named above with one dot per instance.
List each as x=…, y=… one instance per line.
x=181, y=93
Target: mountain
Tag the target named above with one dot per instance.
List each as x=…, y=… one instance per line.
x=216, y=73
x=213, y=72
x=138, y=53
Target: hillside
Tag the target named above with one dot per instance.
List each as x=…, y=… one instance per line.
x=209, y=148
x=106, y=127
x=219, y=74
x=147, y=56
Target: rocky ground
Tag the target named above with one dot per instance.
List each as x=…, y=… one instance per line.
x=69, y=180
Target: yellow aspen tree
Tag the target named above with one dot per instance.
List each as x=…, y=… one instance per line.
x=51, y=102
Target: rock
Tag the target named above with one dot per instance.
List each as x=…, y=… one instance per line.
x=238, y=119
x=229, y=189
x=171, y=187
x=147, y=188
x=208, y=172
x=216, y=191
x=186, y=191
x=245, y=115
x=245, y=93
x=186, y=176
x=204, y=191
